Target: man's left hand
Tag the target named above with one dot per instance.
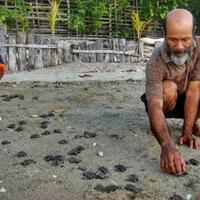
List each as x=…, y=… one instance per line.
x=189, y=140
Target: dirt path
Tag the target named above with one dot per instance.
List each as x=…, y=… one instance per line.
x=90, y=145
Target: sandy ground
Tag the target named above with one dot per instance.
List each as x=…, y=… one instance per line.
x=84, y=139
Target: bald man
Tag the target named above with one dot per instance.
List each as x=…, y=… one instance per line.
x=173, y=88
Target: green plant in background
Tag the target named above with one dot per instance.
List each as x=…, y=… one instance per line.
x=21, y=14
x=92, y=10
x=53, y=14
x=18, y=15
x=99, y=9
x=77, y=18
x=158, y=9
x=194, y=7
x=119, y=15
x=76, y=23
x=5, y=14
x=87, y=16
x=138, y=24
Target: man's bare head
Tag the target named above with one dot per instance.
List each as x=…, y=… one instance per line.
x=179, y=34
x=179, y=18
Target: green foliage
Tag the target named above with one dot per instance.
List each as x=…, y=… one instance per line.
x=5, y=14
x=76, y=23
x=124, y=32
x=158, y=9
x=194, y=7
x=21, y=14
x=53, y=13
x=138, y=24
x=91, y=10
x=118, y=8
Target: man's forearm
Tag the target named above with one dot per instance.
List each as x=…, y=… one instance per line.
x=191, y=107
x=158, y=123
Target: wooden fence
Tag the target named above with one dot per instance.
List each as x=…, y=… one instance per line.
x=23, y=51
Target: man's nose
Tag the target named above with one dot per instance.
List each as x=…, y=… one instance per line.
x=179, y=45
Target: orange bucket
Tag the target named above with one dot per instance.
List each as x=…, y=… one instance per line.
x=2, y=69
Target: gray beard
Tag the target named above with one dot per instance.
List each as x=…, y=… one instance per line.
x=180, y=60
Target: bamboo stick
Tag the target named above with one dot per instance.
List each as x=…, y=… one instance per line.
x=77, y=51
x=35, y=46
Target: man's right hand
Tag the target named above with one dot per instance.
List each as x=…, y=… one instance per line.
x=171, y=160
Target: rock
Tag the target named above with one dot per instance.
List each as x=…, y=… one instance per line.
x=94, y=144
x=100, y=153
x=2, y=190
x=34, y=116
x=151, y=41
x=188, y=197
